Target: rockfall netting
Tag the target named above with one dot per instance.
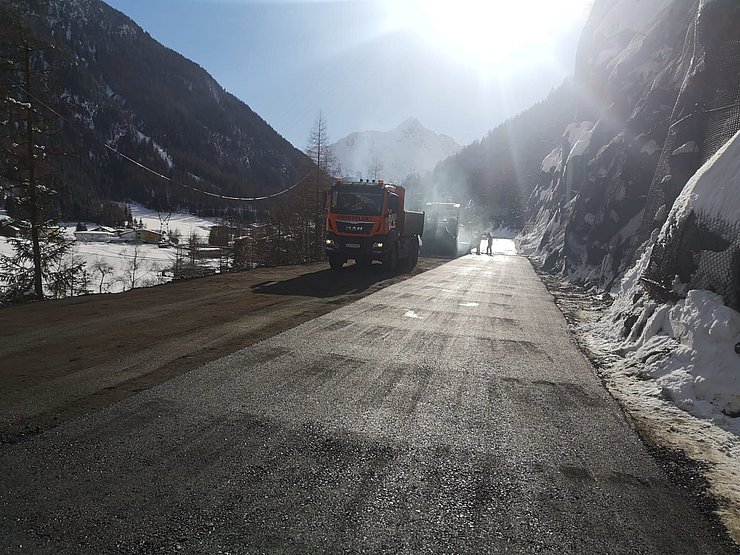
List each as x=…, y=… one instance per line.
x=700, y=250
x=703, y=252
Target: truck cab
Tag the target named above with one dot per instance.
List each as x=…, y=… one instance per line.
x=366, y=221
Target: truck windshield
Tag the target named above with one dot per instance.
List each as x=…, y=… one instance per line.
x=360, y=203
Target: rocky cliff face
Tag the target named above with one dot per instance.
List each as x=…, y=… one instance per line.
x=664, y=77
x=116, y=85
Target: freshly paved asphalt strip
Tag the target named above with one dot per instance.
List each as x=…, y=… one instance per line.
x=447, y=413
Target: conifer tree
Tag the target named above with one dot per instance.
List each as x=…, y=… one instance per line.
x=25, y=174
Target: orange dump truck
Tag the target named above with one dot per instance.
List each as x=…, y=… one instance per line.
x=366, y=221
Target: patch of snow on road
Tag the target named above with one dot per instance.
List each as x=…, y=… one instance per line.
x=503, y=246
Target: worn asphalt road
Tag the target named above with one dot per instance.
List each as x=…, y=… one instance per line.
x=450, y=412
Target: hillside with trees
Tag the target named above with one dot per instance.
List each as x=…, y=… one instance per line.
x=497, y=173
x=109, y=85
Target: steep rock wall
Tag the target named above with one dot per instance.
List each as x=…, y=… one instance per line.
x=666, y=87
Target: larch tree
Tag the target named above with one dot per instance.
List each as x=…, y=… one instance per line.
x=321, y=153
x=375, y=170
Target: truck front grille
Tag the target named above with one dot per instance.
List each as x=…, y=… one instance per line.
x=356, y=228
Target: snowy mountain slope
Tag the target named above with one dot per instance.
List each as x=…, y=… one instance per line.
x=646, y=203
x=649, y=208
x=407, y=149
x=682, y=347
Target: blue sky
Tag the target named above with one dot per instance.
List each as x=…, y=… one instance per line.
x=459, y=67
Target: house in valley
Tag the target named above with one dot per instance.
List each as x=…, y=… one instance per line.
x=141, y=235
x=95, y=236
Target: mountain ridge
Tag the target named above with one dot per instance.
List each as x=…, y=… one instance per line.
x=121, y=87
x=409, y=148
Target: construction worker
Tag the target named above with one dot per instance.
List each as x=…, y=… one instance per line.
x=477, y=238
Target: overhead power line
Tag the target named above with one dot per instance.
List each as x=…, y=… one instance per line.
x=155, y=172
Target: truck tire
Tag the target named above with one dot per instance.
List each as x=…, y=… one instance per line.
x=336, y=262
x=412, y=257
x=390, y=262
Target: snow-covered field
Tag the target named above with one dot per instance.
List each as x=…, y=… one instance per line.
x=185, y=224
x=150, y=259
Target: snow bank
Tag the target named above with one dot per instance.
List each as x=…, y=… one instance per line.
x=713, y=190
x=704, y=371
x=688, y=349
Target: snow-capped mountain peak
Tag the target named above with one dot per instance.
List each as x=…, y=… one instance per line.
x=393, y=155
x=410, y=125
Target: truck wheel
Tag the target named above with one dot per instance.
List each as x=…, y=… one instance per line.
x=336, y=262
x=390, y=262
x=415, y=255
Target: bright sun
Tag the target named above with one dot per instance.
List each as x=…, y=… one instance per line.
x=485, y=33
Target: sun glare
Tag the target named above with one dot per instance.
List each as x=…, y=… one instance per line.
x=484, y=33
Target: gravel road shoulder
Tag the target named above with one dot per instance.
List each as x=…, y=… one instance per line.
x=61, y=359
x=697, y=456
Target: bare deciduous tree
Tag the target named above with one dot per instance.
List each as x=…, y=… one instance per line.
x=105, y=271
x=376, y=168
x=134, y=266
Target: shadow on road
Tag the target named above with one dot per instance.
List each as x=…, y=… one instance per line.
x=327, y=283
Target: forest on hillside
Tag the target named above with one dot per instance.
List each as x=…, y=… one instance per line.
x=496, y=174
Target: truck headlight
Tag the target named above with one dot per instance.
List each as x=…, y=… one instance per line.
x=330, y=242
x=378, y=245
